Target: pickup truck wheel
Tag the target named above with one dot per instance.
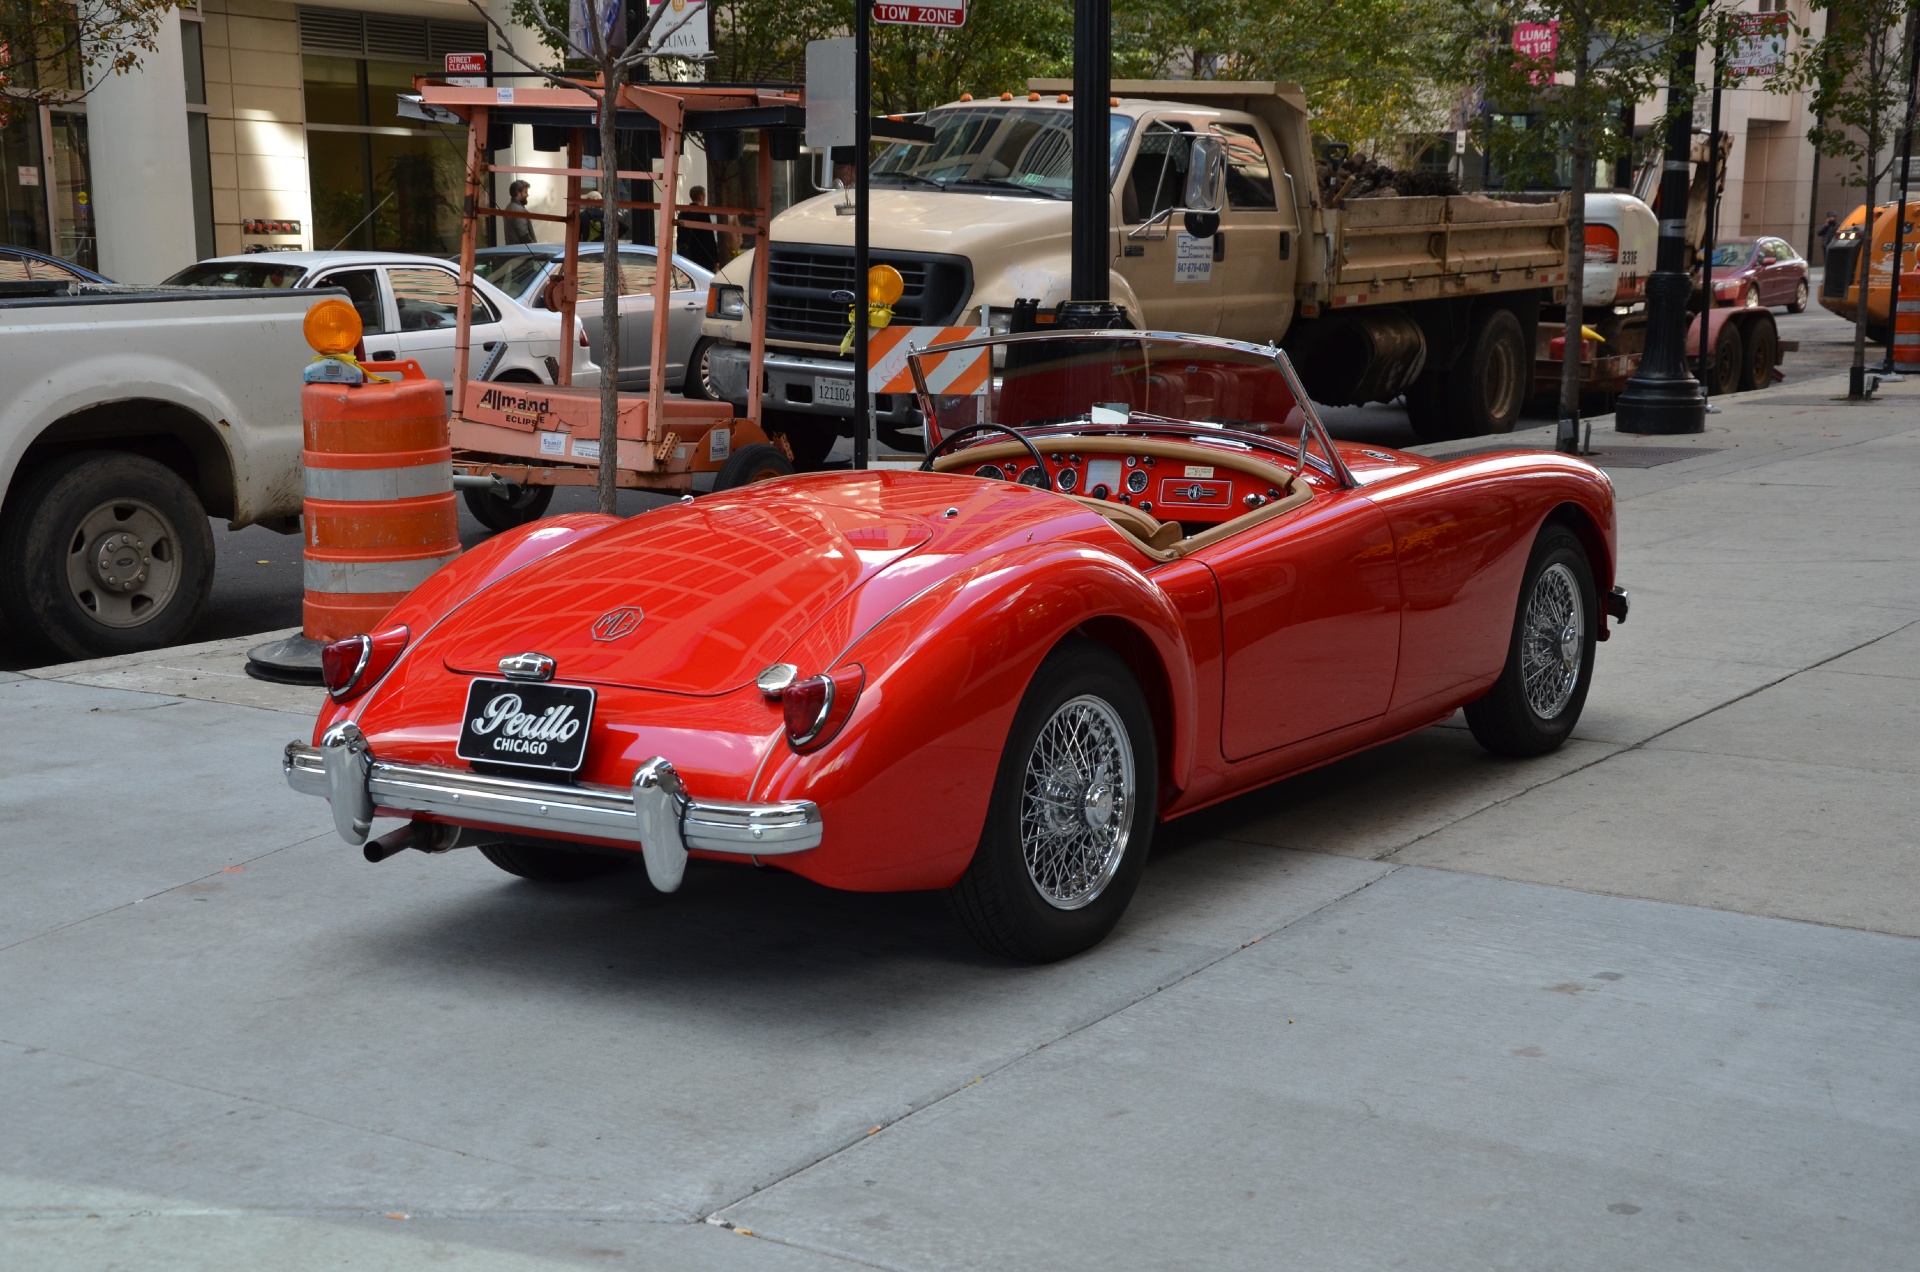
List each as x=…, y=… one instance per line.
x=758, y=462
x=1072, y=813
x=105, y=553
x=1486, y=389
x=497, y=513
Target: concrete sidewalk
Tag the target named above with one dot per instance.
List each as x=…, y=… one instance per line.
x=1651, y=1001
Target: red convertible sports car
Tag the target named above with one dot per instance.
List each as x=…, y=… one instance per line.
x=1133, y=578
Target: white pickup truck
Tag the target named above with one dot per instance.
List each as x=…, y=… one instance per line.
x=131, y=416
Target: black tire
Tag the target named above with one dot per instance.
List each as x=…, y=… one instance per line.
x=698, y=380
x=756, y=461
x=1507, y=721
x=547, y=864
x=1487, y=388
x=1798, y=305
x=997, y=900
x=1427, y=407
x=1723, y=372
x=812, y=437
x=495, y=513
x=104, y=553
x=1756, y=368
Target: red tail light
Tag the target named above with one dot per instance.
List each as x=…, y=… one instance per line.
x=581, y=328
x=351, y=667
x=816, y=707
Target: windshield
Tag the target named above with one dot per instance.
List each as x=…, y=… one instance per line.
x=238, y=274
x=1092, y=383
x=514, y=273
x=1022, y=149
x=1732, y=253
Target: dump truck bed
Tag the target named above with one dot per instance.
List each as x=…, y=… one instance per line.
x=1426, y=247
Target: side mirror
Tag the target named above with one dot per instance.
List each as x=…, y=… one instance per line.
x=1206, y=173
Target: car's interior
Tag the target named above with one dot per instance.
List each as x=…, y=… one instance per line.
x=1178, y=442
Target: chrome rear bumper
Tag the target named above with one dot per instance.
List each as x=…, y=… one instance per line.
x=655, y=813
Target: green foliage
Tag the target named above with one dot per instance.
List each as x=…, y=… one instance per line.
x=1855, y=77
x=55, y=48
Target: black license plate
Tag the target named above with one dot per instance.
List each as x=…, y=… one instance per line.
x=526, y=723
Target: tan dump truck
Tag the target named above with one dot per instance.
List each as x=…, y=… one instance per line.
x=1434, y=298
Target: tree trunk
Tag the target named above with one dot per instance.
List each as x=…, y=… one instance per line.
x=1573, y=344
x=609, y=292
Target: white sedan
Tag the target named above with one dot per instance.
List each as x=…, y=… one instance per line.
x=408, y=307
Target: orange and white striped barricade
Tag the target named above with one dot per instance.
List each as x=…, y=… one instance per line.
x=1906, y=324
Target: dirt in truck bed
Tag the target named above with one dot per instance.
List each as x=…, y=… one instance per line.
x=1358, y=177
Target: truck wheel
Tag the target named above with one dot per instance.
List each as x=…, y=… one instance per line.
x=699, y=377
x=1723, y=373
x=758, y=462
x=1756, y=369
x=1427, y=407
x=496, y=513
x=105, y=553
x=812, y=439
x=1488, y=385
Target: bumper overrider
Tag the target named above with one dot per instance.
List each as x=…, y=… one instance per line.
x=655, y=813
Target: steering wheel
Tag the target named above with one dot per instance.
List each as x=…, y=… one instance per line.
x=945, y=443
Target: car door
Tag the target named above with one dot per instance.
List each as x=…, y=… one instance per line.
x=1254, y=241
x=1173, y=274
x=686, y=312
x=363, y=290
x=1310, y=619
x=1779, y=285
x=426, y=303
x=636, y=311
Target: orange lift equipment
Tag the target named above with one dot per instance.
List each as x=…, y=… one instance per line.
x=549, y=435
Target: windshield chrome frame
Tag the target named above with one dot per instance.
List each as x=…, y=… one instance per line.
x=1333, y=466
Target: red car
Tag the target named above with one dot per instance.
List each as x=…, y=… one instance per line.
x=1133, y=578
x=1752, y=273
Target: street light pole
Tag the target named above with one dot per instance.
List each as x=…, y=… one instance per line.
x=1092, y=81
x=1662, y=397
x=862, y=148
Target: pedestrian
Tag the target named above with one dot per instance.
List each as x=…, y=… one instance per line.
x=699, y=246
x=519, y=230
x=1827, y=231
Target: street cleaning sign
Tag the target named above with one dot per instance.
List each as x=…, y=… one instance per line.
x=1756, y=44
x=925, y=15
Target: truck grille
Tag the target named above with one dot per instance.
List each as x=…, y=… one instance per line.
x=801, y=279
x=1843, y=268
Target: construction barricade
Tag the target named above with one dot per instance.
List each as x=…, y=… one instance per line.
x=1906, y=324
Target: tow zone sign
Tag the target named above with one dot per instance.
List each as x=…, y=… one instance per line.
x=925, y=15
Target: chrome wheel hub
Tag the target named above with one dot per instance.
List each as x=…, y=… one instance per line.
x=1552, y=642
x=123, y=563
x=1076, y=802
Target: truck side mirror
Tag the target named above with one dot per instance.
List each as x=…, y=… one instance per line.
x=1206, y=173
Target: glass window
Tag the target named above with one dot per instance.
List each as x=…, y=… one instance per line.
x=200, y=173
x=1028, y=150
x=23, y=197
x=1158, y=180
x=334, y=91
x=1728, y=255
x=515, y=273
x=429, y=299
x=72, y=191
x=363, y=289
x=252, y=273
x=385, y=82
x=1249, y=179
x=195, y=63
x=416, y=193
x=15, y=268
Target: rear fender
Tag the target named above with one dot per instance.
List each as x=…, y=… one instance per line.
x=904, y=788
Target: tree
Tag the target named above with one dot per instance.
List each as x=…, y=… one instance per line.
x=1584, y=60
x=590, y=35
x=54, y=50
x=1856, y=76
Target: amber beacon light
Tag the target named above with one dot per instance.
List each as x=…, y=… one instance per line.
x=332, y=327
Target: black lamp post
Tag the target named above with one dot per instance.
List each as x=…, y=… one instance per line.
x=1089, y=295
x=1662, y=396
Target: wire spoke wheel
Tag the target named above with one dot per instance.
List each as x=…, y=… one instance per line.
x=1076, y=802
x=1552, y=642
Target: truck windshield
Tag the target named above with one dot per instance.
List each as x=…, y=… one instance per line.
x=238, y=274
x=1022, y=149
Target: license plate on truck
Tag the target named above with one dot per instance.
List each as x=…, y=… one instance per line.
x=831, y=391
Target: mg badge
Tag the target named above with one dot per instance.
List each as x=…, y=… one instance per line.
x=616, y=623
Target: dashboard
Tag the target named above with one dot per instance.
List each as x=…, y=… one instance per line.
x=1169, y=489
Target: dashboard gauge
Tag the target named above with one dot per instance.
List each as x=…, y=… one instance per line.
x=1066, y=479
x=989, y=470
x=1099, y=492
x=1137, y=480
x=1032, y=476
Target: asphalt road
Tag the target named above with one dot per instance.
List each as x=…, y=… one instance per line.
x=256, y=585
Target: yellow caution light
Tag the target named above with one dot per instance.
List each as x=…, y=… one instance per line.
x=884, y=285
x=332, y=327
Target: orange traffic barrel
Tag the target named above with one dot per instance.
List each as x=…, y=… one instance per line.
x=1906, y=323
x=379, y=513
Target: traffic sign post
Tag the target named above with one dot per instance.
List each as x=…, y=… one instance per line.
x=469, y=70
x=926, y=15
